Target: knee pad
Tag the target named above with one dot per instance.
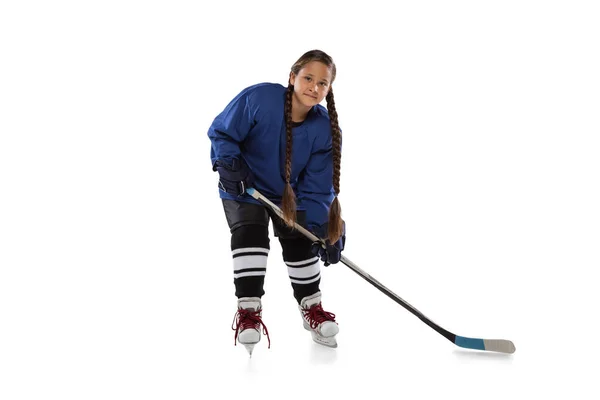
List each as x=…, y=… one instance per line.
x=250, y=235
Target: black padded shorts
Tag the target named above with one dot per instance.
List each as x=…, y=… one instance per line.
x=240, y=213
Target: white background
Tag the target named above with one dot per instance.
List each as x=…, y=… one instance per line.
x=470, y=186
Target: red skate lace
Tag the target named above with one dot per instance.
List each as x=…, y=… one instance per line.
x=316, y=315
x=248, y=319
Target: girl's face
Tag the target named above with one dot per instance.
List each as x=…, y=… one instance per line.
x=312, y=83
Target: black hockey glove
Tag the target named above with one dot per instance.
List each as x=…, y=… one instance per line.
x=234, y=178
x=331, y=253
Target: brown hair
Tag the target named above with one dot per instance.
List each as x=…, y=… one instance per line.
x=335, y=223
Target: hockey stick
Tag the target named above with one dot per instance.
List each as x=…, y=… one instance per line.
x=498, y=345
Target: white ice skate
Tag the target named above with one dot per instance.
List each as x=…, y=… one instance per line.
x=319, y=322
x=247, y=321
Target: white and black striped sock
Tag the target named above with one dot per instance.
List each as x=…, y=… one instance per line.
x=249, y=261
x=304, y=272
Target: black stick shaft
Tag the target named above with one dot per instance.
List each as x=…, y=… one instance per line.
x=448, y=335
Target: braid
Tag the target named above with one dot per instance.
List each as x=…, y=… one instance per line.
x=335, y=211
x=289, y=198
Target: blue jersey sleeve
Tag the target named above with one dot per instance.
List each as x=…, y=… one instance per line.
x=230, y=128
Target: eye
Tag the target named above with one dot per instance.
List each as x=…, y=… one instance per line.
x=323, y=84
x=308, y=78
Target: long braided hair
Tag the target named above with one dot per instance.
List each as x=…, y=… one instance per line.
x=335, y=223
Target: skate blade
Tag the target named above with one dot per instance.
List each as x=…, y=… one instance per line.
x=312, y=332
x=324, y=341
x=249, y=348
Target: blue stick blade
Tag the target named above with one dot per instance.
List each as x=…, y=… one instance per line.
x=469, y=343
x=499, y=345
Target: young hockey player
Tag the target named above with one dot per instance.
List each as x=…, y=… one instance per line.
x=282, y=142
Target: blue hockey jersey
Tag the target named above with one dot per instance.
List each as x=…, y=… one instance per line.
x=252, y=127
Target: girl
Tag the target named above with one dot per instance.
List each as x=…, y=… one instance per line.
x=282, y=142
